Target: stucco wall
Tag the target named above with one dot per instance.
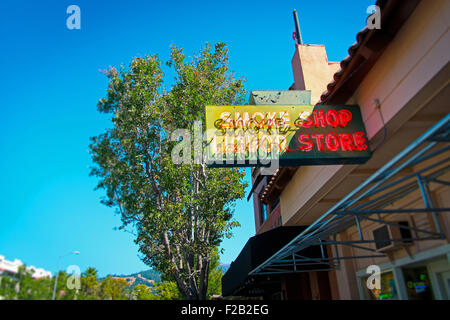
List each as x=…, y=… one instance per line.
x=415, y=57
x=312, y=70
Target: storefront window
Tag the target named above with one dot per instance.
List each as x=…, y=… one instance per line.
x=388, y=291
x=417, y=283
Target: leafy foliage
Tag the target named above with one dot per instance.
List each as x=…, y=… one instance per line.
x=23, y=286
x=180, y=212
x=114, y=288
x=215, y=276
x=143, y=292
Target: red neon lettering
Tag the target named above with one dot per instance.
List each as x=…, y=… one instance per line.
x=305, y=141
x=360, y=141
x=319, y=140
x=346, y=142
x=332, y=141
x=333, y=118
x=345, y=117
x=319, y=118
x=308, y=122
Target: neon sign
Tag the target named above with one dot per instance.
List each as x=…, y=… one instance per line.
x=293, y=135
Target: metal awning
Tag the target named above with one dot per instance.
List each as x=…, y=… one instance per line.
x=236, y=281
x=371, y=201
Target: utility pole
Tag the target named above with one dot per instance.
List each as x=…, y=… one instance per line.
x=57, y=271
x=298, y=35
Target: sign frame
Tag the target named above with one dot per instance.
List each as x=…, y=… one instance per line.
x=337, y=134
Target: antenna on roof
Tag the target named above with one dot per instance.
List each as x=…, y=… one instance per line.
x=298, y=35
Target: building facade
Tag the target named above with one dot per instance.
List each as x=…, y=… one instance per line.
x=378, y=230
x=12, y=267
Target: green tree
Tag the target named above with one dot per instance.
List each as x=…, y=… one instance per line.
x=215, y=276
x=114, y=289
x=23, y=286
x=181, y=212
x=143, y=292
x=62, y=291
x=7, y=288
x=166, y=290
x=90, y=285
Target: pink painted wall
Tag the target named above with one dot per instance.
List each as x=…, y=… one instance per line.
x=312, y=70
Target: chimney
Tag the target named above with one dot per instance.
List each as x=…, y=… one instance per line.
x=312, y=70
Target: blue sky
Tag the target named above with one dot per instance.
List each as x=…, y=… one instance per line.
x=50, y=84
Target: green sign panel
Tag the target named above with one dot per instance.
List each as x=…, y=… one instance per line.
x=292, y=135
